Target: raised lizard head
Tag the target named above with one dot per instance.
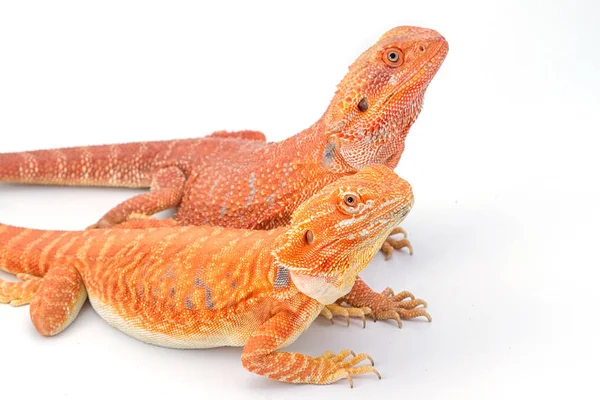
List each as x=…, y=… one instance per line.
x=337, y=232
x=381, y=96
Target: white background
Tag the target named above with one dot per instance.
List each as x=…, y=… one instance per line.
x=503, y=162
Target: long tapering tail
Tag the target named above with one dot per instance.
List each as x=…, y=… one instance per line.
x=121, y=165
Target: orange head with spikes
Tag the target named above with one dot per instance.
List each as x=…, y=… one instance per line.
x=337, y=232
x=381, y=97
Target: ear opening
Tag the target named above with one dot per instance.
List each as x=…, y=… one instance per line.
x=329, y=151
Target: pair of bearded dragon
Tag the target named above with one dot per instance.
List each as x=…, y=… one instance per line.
x=266, y=236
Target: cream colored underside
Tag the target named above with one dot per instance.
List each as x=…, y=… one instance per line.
x=79, y=302
x=131, y=328
x=321, y=288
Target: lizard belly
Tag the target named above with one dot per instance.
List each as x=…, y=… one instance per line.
x=224, y=332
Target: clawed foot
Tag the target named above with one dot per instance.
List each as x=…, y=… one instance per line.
x=19, y=293
x=390, y=244
x=403, y=305
x=340, y=369
x=336, y=310
x=381, y=306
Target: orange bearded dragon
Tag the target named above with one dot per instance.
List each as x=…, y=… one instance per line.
x=201, y=287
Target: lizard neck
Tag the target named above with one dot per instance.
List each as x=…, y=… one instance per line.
x=278, y=275
x=314, y=146
x=289, y=173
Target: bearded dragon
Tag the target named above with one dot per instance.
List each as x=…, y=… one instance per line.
x=237, y=179
x=203, y=287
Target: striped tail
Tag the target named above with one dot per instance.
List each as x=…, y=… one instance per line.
x=31, y=251
x=120, y=165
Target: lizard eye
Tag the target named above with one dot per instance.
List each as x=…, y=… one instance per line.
x=350, y=200
x=394, y=57
x=350, y=203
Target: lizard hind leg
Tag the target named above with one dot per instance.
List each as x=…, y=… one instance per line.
x=58, y=300
x=19, y=293
x=166, y=191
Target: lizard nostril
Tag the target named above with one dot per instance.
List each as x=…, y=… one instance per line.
x=309, y=236
x=421, y=48
x=363, y=104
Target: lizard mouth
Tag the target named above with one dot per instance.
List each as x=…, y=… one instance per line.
x=389, y=215
x=400, y=213
x=390, y=218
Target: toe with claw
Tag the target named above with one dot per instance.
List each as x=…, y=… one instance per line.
x=397, y=307
x=391, y=244
x=337, y=310
x=344, y=367
x=384, y=305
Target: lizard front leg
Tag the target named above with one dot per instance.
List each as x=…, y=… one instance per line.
x=166, y=191
x=58, y=300
x=364, y=301
x=260, y=354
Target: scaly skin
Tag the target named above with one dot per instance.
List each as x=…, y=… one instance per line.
x=200, y=287
x=236, y=179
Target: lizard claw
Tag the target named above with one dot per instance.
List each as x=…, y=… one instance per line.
x=396, y=307
x=389, y=292
x=342, y=366
x=335, y=310
x=341, y=356
x=358, y=371
x=398, y=230
x=390, y=244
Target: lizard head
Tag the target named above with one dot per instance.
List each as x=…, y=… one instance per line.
x=338, y=231
x=380, y=98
